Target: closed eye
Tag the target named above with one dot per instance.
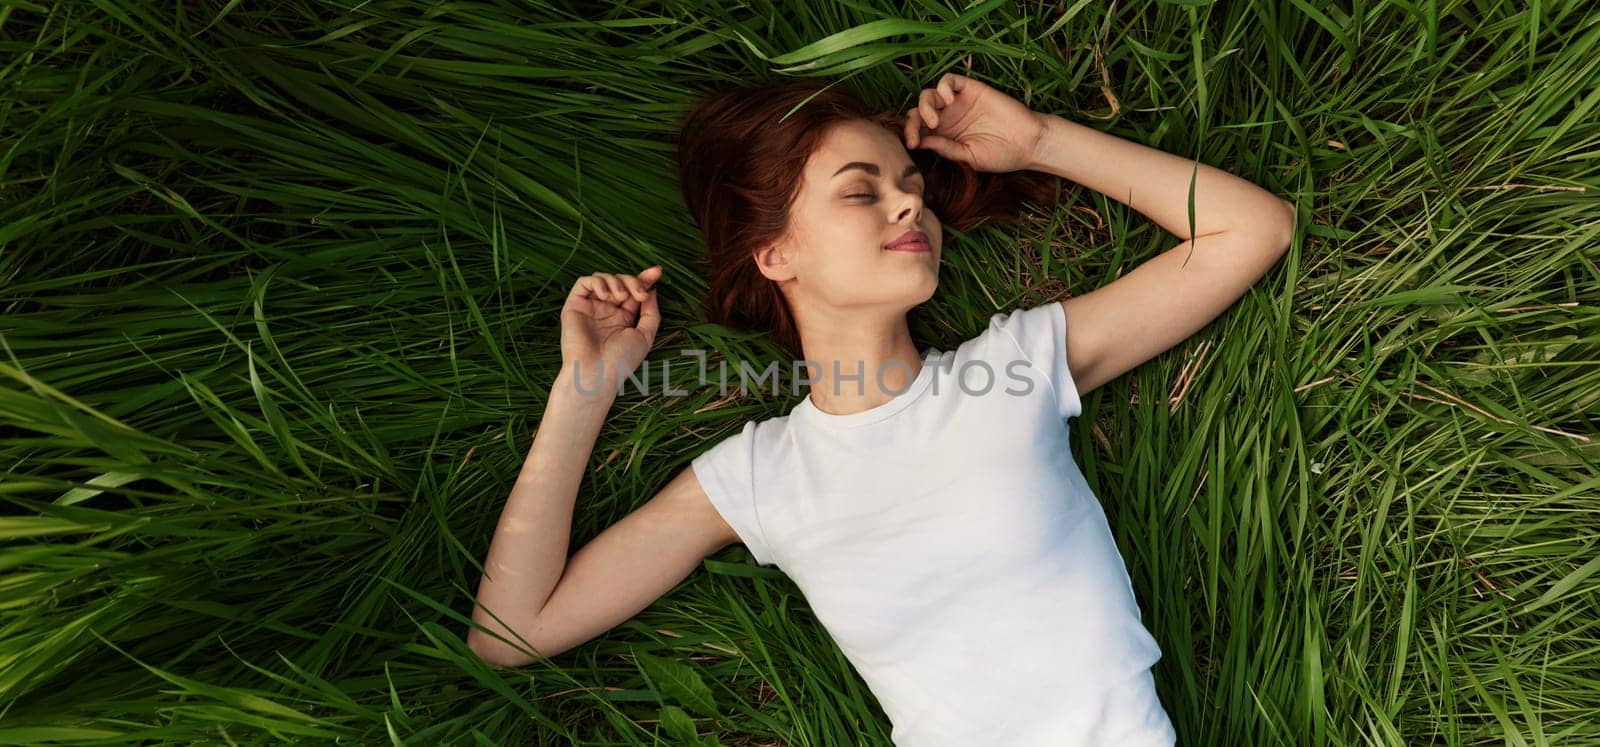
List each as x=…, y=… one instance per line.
x=869, y=195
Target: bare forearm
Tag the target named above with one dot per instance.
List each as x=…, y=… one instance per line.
x=529, y=551
x=1156, y=183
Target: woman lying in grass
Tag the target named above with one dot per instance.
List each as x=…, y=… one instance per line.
x=927, y=504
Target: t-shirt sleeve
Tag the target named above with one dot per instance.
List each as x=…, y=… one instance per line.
x=1041, y=334
x=727, y=475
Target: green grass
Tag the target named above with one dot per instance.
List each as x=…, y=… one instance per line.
x=280, y=285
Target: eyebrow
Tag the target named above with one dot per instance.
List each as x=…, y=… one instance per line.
x=872, y=168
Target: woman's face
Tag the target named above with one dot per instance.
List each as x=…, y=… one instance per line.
x=859, y=192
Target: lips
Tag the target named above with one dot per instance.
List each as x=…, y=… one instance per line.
x=911, y=241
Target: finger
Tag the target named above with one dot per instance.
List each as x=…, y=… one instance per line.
x=649, y=278
x=925, y=103
x=649, y=316
x=635, y=287
x=943, y=146
x=594, y=287
x=580, y=288
x=613, y=287
x=947, y=90
x=913, y=128
x=957, y=82
x=619, y=286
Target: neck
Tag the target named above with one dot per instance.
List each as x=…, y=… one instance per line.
x=849, y=357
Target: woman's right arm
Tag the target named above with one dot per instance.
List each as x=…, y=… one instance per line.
x=543, y=600
x=554, y=603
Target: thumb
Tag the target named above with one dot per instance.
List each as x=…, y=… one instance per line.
x=649, y=315
x=943, y=146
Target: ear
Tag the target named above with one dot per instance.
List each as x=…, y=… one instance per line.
x=773, y=262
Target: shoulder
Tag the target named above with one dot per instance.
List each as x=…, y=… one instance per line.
x=1030, y=331
x=1023, y=324
x=730, y=474
x=1036, y=336
x=751, y=440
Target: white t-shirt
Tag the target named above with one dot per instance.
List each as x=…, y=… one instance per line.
x=948, y=542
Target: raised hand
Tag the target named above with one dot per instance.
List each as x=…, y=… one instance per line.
x=611, y=319
x=966, y=120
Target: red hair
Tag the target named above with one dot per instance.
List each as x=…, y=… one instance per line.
x=741, y=152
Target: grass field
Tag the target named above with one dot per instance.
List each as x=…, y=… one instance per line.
x=280, y=285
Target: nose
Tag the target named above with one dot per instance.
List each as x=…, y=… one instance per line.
x=911, y=205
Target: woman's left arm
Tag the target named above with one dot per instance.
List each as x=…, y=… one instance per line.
x=1240, y=231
